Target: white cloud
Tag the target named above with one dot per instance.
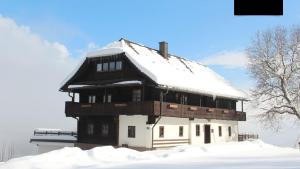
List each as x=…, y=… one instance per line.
x=31, y=70
x=229, y=59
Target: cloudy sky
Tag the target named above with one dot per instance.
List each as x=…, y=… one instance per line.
x=40, y=43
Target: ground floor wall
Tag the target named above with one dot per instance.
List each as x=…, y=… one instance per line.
x=172, y=131
x=43, y=147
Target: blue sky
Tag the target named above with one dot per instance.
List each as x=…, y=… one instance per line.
x=194, y=29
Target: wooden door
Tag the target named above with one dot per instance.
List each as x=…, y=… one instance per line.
x=207, y=134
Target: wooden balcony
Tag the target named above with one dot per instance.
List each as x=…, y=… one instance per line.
x=73, y=109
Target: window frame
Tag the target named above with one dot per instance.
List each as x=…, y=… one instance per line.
x=197, y=128
x=181, y=130
x=131, y=132
x=91, y=99
x=161, y=132
x=111, y=69
x=98, y=66
x=90, y=128
x=119, y=63
x=229, y=131
x=109, y=98
x=135, y=97
x=105, y=66
x=104, y=127
x=220, y=131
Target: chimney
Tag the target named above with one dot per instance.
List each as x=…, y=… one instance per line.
x=163, y=49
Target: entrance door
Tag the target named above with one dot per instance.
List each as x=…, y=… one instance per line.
x=206, y=134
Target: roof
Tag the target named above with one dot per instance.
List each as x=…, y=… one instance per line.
x=174, y=72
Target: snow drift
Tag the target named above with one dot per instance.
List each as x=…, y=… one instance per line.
x=248, y=154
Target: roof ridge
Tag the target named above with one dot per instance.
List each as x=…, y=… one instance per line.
x=169, y=54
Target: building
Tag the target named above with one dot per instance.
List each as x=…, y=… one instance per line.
x=132, y=95
x=52, y=139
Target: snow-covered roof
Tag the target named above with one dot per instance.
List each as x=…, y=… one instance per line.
x=53, y=135
x=174, y=72
x=120, y=83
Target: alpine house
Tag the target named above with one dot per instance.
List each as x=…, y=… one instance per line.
x=135, y=96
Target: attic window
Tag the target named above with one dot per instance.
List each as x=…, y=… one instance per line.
x=105, y=66
x=109, y=66
x=99, y=67
x=118, y=65
x=112, y=66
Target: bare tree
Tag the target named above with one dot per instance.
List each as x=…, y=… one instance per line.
x=274, y=63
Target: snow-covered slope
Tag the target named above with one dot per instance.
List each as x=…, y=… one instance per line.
x=249, y=154
x=174, y=72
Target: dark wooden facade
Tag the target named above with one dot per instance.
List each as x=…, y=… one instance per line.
x=104, y=111
x=151, y=108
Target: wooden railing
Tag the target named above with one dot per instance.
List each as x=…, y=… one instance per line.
x=188, y=111
x=244, y=137
x=73, y=109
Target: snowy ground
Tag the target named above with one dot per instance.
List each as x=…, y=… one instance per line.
x=234, y=155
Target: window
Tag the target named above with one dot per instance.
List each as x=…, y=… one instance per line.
x=104, y=99
x=112, y=66
x=161, y=131
x=131, y=131
x=105, y=67
x=220, y=131
x=183, y=99
x=109, y=98
x=180, y=131
x=104, y=130
x=90, y=129
x=229, y=131
x=136, y=95
x=99, y=67
x=224, y=103
x=197, y=130
x=200, y=102
x=92, y=99
x=118, y=65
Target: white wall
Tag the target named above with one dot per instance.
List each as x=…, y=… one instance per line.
x=43, y=147
x=142, y=133
x=214, y=124
x=171, y=131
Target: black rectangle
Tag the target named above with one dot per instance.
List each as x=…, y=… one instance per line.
x=258, y=7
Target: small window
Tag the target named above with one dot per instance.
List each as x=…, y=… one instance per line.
x=99, y=67
x=92, y=99
x=220, y=131
x=229, y=131
x=161, y=131
x=180, y=131
x=136, y=95
x=131, y=131
x=90, y=129
x=118, y=65
x=104, y=130
x=105, y=67
x=112, y=66
x=197, y=130
x=183, y=99
x=104, y=99
x=109, y=98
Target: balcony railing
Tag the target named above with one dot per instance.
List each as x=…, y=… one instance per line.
x=74, y=109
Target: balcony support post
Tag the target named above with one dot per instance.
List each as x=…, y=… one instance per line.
x=242, y=106
x=161, y=100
